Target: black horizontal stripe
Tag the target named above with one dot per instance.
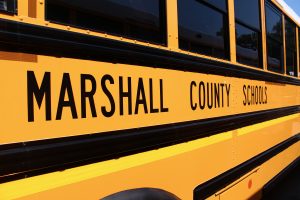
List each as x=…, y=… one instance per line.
x=38, y=157
x=214, y=185
x=28, y=38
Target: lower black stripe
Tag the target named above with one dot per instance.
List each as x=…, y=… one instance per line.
x=33, y=158
x=214, y=185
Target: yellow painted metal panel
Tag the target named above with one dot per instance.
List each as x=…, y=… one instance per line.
x=187, y=164
x=253, y=183
x=178, y=96
x=172, y=24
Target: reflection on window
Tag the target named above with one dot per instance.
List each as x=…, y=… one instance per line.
x=274, y=23
x=200, y=35
x=248, y=32
x=247, y=46
x=220, y=4
x=275, y=55
x=291, y=52
x=137, y=19
x=274, y=38
x=247, y=11
x=8, y=6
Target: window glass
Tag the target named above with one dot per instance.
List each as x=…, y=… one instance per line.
x=8, y=6
x=291, y=52
x=274, y=23
x=248, y=33
x=247, y=11
x=274, y=38
x=221, y=4
x=197, y=34
x=275, y=55
x=247, y=47
x=291, y=63
x=138, y=19
x=290, y=34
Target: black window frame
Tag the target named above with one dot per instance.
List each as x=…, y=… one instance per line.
x=12, y=7
x=273, y=39
x=162, y=21
x=225, y=26
x=287, y=19
x=258, y=31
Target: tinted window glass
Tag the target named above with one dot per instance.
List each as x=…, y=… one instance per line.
x=291, y=52
x=274, y=38
x=138, y=19
x=248, y=34
x=221, y=4
x=290, y=34
x=291, y=62
x=275, y=55
x=197, y=33
x=247, y=48
x=247, y=11
x=274, y=23
x=8, y=6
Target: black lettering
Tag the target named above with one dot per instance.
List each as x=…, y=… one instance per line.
x=110, y=97
x=125, y=95
x=162, y=108
x=201, y=85
x=87, y=94
x=39, y=93
x=222, y=86
x=245, y=100
x=66, y=87
x=256, y=95
x=228, y=93
x=248, y=96
x=210, y=104
x=252, y=95
x=152, y=109
x=193, y=105
x=140, y=97
x=266, y=101
x=260, y=94
x=217, y=95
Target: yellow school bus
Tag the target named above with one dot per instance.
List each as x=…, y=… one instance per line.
x=156, y=99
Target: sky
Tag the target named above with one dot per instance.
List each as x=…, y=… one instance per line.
x=294, y=5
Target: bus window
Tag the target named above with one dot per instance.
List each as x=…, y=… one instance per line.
x=290, y=48
x=200, y=35
x=8, y=6
x=220, y=4
x=136, y=19
x=274, y=38
x=248, y=32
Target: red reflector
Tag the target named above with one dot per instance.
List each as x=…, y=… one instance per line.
x=249, y=184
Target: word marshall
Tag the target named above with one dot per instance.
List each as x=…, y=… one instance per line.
x=137, y=93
